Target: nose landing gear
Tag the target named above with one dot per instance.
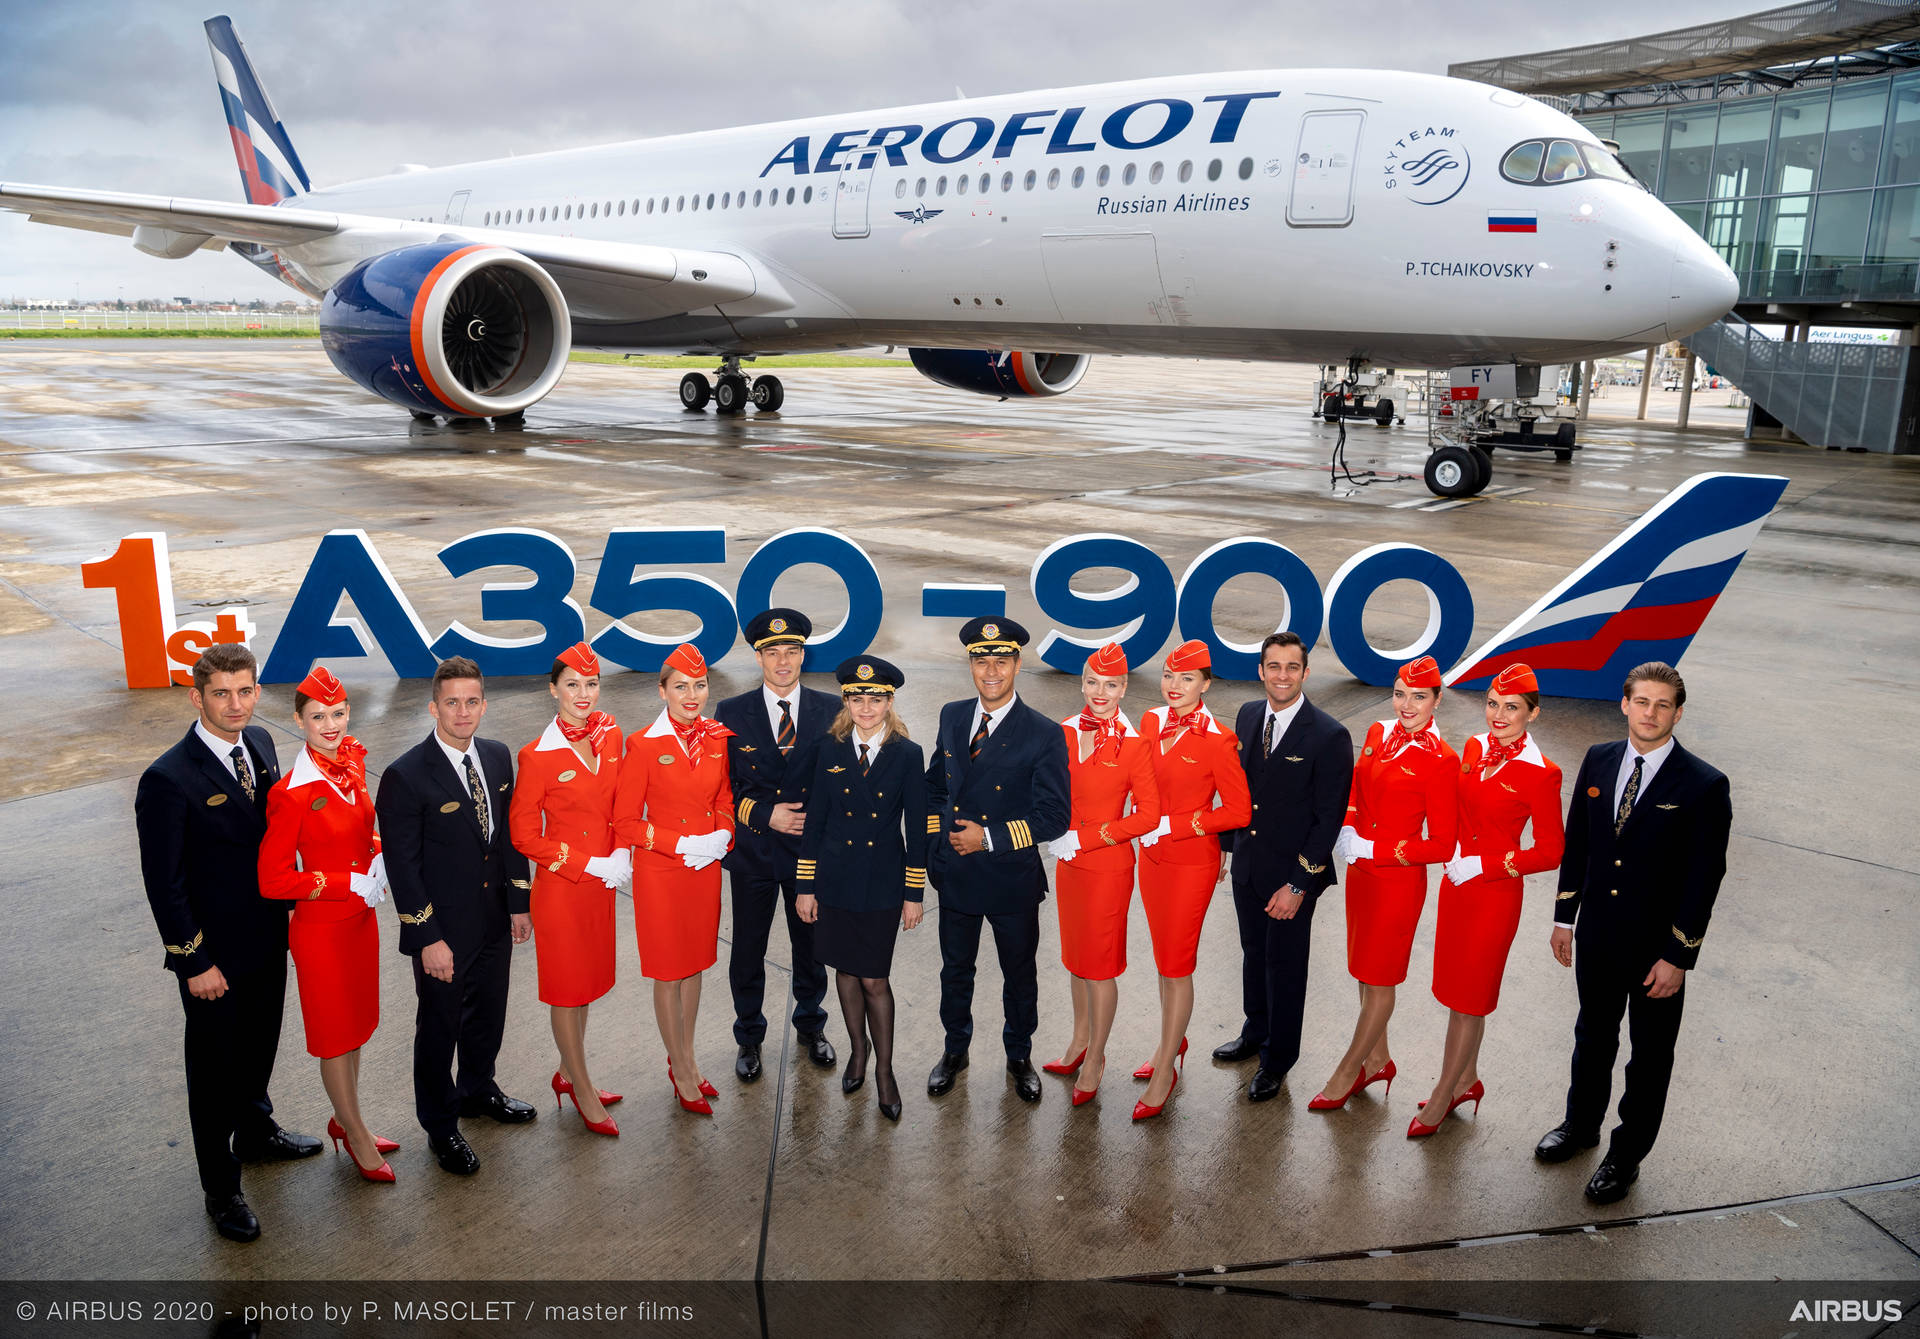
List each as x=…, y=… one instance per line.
x=730, y=392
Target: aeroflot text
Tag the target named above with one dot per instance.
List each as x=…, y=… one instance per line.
x=1157, y=204
x=1138, y=125
x=1470, y=269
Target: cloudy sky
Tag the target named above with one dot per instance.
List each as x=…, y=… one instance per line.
x=121, y=96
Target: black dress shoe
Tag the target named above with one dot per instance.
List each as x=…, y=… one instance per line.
x=891, y=1110
x=454, y=1154
x=941, y=1079
x=232, y=1218
x=1611, y=1179
x=851, y=1082
x=1240, y=1048
x=1561, y=1143
x=746, y=1065
x=819, y=1049
x=499, y=1107
x=1026, y=1080
x=280, y=1146
x=1265, y=1086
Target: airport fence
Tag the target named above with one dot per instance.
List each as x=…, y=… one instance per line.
x=293, y=322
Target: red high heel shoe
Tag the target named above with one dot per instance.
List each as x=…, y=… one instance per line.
x=1387, y=1072
x=706, y=1089
x=1473, y=1095
x=1141, y=1111
x=699, y=1106
x=1321, y=1102
x=563, y=1084
x=1067, y=1066
x=1082, y=1096
x=339, y=1136
x=1146, y=1071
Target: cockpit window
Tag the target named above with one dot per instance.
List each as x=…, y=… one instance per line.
x=1563, y=163
x=1603, y=164
x=1522, y=163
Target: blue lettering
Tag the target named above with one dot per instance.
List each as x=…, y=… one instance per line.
x=1233, y=106
x=1016, y=127
x=837, y=143
x=1063, y=133
x=1179, y=115
x=982, y=132
x=795, y=155
x=891, y=147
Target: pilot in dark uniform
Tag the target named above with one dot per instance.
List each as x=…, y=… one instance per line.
x=1646, y=850
x=771, y=726
x=997, y=787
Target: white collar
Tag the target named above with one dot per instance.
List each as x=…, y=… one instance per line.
x=1286, y=713
x=306, y=771
x=552, y=739
x=872, y=745
x=773, y=699
x=1531, y=753
x=1126, y=726
x=662, y=724
x=1386, y=726
x=220, y=748
x=999, y=713
x=1654, y=757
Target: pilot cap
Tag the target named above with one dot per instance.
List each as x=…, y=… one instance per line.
x=868, y=674
x=992, y=637
x=779, y=627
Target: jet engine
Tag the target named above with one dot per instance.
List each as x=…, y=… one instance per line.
x=1002, y=372
x=449, y=328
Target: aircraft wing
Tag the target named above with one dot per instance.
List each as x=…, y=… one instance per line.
x=602, y=280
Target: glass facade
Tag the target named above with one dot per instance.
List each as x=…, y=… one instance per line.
x=1812, y=194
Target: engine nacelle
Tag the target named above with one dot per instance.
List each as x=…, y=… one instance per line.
x=449, y=328
x=1004, y=373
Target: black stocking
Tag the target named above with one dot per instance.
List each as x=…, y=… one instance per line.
x=854, y=1010
x=879, y=1001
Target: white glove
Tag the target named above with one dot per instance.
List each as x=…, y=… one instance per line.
x=368, y=888
x=623, y=877
x=1065, y=846
x=1359, y=849
x=697, y=861
x=708, y=845
x=1463, y=869
x=378, y=869
x=1166, y=826
x=1343, y=845
x=612, y=870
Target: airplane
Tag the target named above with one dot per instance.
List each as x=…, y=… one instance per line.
x=1311, y=215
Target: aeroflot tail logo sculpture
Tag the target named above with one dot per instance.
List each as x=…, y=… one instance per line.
x=1642, y=597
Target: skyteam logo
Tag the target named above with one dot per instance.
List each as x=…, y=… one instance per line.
x=918, y=214
x=1428, y=166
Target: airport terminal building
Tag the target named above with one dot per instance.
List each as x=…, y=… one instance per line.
x=1790, y=140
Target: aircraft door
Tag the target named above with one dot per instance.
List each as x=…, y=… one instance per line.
x=852, y=191
x=1323, y=169
x=457, y=207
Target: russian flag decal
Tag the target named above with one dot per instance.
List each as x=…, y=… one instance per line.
x=1509, y=221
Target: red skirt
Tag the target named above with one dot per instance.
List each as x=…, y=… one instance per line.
x=676, y=917
x=1383, y=910
x=337, y=962
x=1093, y=920
x=1175, y=898
x=572, y=939
x=1471, y=941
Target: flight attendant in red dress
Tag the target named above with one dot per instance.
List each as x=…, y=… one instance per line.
x=1505, y=782
x=1400, y=819
x=1203, y=791
x=1114, y=799
x=562, y=822
x=674, y=808
x=320, y=853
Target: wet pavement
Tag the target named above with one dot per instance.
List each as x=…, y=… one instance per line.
x=1790, y=1078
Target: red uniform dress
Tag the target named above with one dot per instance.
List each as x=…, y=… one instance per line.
x=1094, y=888
x=1477, y=922
x=562, y=816
x=664, y=795
x=1393, y=796
x=318, y=837
x=1180, y=870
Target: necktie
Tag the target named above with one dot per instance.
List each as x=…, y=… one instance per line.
x=242, y=772
x=479, y=793
x=979, y=738
x=785, y=739
x=1266, y=745
x=863, y=760
x=1626, y=796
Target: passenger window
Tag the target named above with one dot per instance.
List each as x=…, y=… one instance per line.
x=1100, y=177
x=1153, y=174
x=709, y=199
x=965, y=181
x=1246, y=168
x=649, y=204
x=1006, y=182
x=636, y=207
x=756, y=199
x=679, y=203
x=1186, y=171
x=900, y=189
x=789, y=195
x=920, y=188
x=543, y=213
x=594, y=210
x=1563, y=163
x=1126, y=175
x=1053, y=179
x=1079, y=177
x=1523, y=162
x=1213, y=170
x=806, y=197
x=940, y=186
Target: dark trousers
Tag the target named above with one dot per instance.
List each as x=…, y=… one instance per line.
x=1273, y=974
x=1016, y=938
x=1609, y=988
x=753, y=903
x=465, y=1017
x=230, y=1044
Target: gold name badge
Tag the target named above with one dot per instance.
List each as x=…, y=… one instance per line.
x=450, y=806
x=568, y=775
x=666, y=757
x=319, y=803
x=215, y=801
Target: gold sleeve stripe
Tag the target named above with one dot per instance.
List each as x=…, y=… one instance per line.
x=521, y=883
x=746, y=807
x=189, y=948
x=1689, y=943
x=933, y=825
x=421, y=919
x=1020, y=834
x=1567, y=895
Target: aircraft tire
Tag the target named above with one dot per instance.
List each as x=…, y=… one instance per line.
x=1383, y=413
x=730, y=395
x=1451, y=472
x=1483, y=465
x=695, y=391
x=768, y=394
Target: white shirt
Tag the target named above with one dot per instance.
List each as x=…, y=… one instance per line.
x=994, y=717
x=773, y=701
x=1281, y=719
x=1652, y=765
x=872, y=746
x=222, y=750
x=459, y=761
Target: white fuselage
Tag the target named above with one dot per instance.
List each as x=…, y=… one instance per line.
x=1295, y=214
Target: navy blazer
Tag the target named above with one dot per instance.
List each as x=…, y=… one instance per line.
x=447, y=883
x=1647, y=893
x=758, y=772
x=1300, y=794
x=1016, y=790
x=200, y=857
x=861, y=826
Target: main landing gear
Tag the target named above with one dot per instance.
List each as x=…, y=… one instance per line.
x=730, y=392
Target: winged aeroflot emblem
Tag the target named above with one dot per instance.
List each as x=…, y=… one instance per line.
x=918, y=214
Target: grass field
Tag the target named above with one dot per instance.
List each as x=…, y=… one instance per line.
x=158, y=334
